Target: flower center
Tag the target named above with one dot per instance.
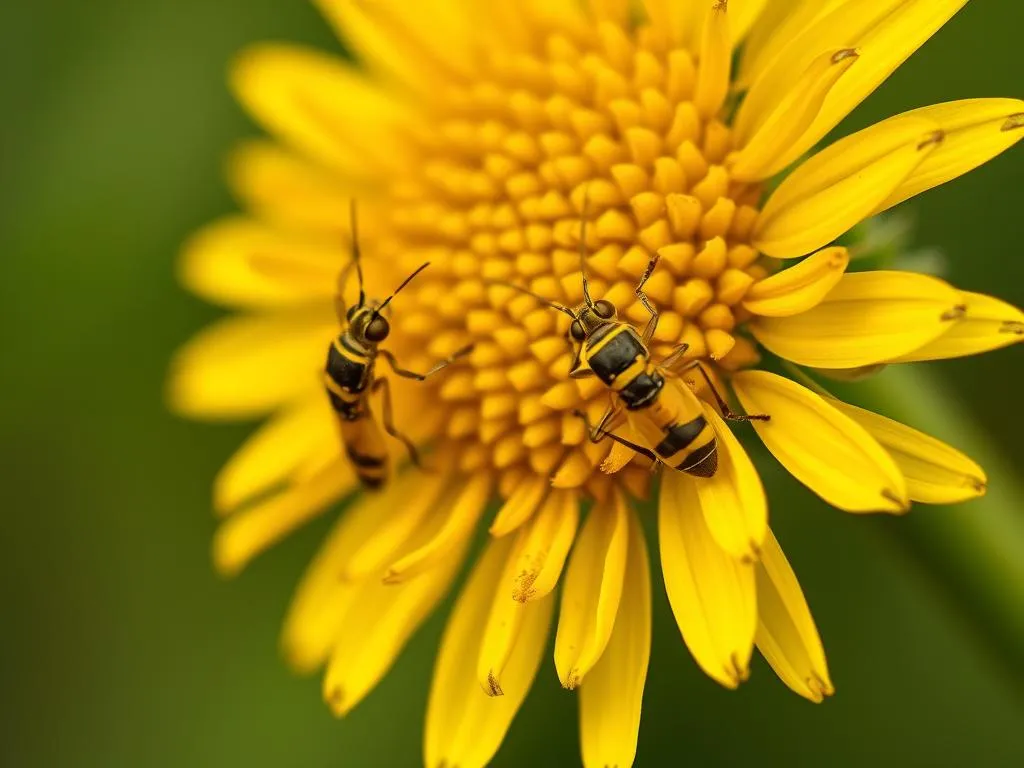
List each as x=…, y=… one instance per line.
x=605, y=127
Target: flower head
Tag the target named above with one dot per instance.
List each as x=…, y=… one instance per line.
x=499, y=141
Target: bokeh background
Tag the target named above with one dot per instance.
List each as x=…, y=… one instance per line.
x=120, y=647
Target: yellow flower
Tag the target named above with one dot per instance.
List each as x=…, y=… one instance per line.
x=477, y=136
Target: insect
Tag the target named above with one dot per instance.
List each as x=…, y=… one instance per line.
x=667, y=417
x=350, y=378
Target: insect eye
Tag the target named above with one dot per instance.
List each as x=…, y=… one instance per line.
x=377, y=330
x=604, y=309
x=576, y=330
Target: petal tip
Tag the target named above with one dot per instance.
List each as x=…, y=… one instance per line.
x=1013, y=123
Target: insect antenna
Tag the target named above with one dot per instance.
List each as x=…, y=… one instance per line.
x=583, y=247
x=356, y=253
x=398, y=290
x=528, y=292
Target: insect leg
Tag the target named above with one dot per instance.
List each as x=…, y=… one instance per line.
x=387, y=419
x=652, y=324
x=598, y=433
x=575, y=372
x=421, y=376
x=674, y=357
x=722, y=405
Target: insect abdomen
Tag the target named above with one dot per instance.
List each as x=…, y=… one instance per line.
x=690, y=447
x=364, y=446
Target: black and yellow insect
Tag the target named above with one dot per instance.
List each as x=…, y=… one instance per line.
x=665, y=414
x=350, y=378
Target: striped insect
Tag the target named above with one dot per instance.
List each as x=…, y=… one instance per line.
x=665, y=414
x=350, y=378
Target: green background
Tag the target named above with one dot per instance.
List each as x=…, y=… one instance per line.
x=119, y=646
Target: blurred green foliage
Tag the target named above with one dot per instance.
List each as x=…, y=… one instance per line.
x=121, y=648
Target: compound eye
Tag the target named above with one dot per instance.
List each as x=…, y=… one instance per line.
x=604, y=309
x=576, y=330
x=351, y=313
x=377, y=330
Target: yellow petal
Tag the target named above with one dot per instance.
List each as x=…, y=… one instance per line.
x=868, y=318
x=715, y=60
x=841, y=186
x=780, y=23
x=248, y=533
x=416, y=495
x=712, y=593
x=519, y=507
x=745, y=14
x=247, y=366
x=883, y=47
x=593, y=586
x=379, y=622
x=546, y=543
x=458, y=514
x=786, y=635
x=611, y=696
x=885, y=32
x=464, y=727
x=388, y=37
x=975, y=131
x=322, y=107
x=274, y=452
x=318, y=609
x=282, y=187
x=822, y=448
x=760, y=156
x=215, y=264
x=799, y=288
x=733, y=502
x=812, y=29
x=987, y=324
x=935, y=472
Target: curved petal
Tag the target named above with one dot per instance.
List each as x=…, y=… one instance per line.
x=987, y=324
x=379, y=622
x=822, y=448
x=246, y=366
x=763, y=155
x=868, y=318
x=712, y=594
x=248, y=533
x=274, y=452
x=786, y=635
x=219, y=263
x=416, y=43
x=281, y=186
x=799, y=288
x=884, y=32
x=323, y=107
x=974, y=131
x=216, y=265
x=457, y=516
x=611, y=696
x=935, y=472
x=592, y=589
x=842, y=185
x=545, y=545
x=732, y=500
x=464, y=727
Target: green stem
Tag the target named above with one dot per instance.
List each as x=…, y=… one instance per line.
x=974, y=552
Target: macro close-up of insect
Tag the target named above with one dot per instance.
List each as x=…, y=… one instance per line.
x=469, y=383
x=651, y=397
x=350, y=374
